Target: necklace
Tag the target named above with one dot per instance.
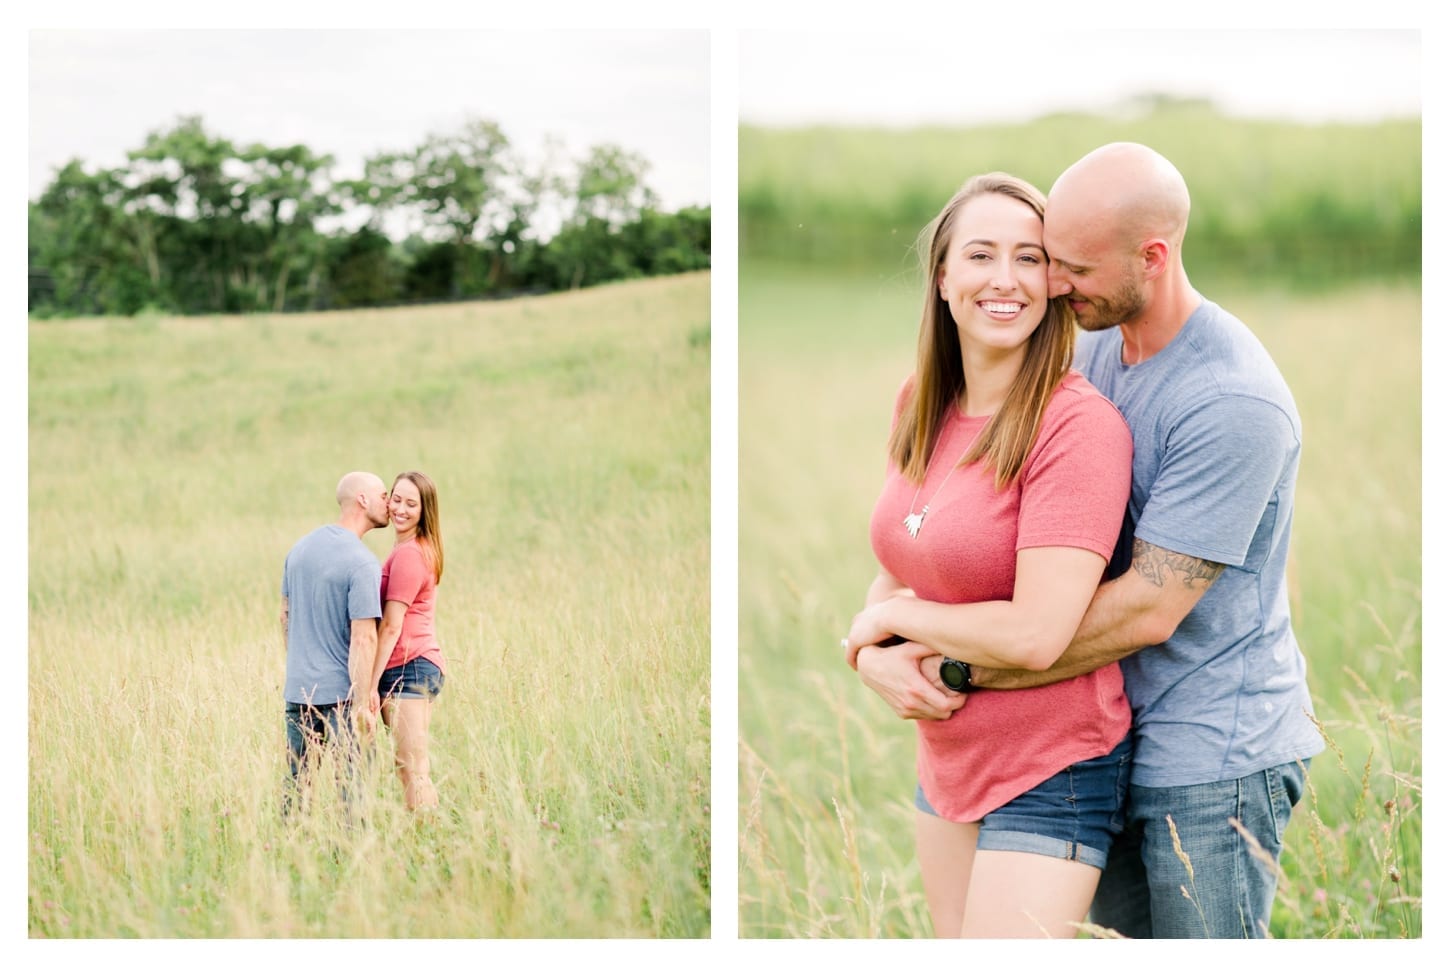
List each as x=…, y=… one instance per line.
x=914, y=521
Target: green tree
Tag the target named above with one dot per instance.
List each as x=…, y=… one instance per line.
x=451, y=183
x=362, y=270
x=606, y=193
x=183, y=173
x=82, y=243
x=192, y=223
x=609, y=186
x=286, y=190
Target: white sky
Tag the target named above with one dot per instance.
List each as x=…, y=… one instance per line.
x=95, y=94
x=902, y=78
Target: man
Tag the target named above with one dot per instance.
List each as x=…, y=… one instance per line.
x=1200, y=616
x=330, y=607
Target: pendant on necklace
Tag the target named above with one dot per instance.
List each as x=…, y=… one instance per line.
x=913, y=523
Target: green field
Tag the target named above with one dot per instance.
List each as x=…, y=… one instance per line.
x=826, y=771
x=1308, y=202
x=172, y=464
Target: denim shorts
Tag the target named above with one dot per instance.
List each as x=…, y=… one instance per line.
x=1073, y=815
x=419, y=678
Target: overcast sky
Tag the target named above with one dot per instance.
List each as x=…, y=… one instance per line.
x=902, y=78
x=95, y=94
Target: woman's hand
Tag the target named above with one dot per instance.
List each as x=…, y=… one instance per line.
x=867, y=628
x=898, y=676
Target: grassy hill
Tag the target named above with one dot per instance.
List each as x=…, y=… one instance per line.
x=173, y=462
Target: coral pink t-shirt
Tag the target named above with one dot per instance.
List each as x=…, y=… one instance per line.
x=1072, y=492
x=408, y=578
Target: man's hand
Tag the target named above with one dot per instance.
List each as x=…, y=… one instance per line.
x=898, y=676
x=365, y=717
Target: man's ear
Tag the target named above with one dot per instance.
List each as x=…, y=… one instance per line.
x=1154, y=253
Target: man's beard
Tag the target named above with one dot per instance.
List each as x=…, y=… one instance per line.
x=1124, y=304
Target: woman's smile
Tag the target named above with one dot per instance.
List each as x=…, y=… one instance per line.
x=1005, y=311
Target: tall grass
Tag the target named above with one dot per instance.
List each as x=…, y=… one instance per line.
x=826, y=771
x=1311, y=202
x=173, y=462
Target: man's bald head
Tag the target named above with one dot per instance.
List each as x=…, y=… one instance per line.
x=1114, y=230
x=357, y=482
x=1129, y=189
x=363, y=500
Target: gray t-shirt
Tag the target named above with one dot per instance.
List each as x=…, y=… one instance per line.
x=1216, y=440
x=329, y=580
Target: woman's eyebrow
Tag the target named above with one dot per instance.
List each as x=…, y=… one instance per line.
x=991, y=241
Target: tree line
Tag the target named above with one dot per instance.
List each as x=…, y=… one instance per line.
x=1281, y=201
x=194, y=223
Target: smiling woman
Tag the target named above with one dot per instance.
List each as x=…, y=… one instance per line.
x=409, y=671
x=1027, y=466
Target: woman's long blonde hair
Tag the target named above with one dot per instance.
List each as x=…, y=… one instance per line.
x=430, y=535
x=939, y=381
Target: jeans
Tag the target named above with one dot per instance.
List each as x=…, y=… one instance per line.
x=1218, y=888
x=310, y=730
x=1072, y=815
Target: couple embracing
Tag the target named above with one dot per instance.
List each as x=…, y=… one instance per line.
x=1124, y=748
x=360, y=640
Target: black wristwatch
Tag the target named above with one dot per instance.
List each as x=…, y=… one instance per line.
x=957, y=675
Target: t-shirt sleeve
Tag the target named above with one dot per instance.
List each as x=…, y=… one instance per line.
x=1218, y=475
x=363, y=600
x=407, y=575
x=1076, y=480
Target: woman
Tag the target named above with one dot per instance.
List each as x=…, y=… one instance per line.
x=409, y=670
x=1006, y=489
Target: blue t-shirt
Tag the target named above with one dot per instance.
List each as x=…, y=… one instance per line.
x=329, y=580
x=1216, y=440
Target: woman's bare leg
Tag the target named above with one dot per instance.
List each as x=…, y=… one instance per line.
x=409, y=719
x=1027, y=895
x=945, y=851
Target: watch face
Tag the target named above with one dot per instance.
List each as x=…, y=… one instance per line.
x=953, y=675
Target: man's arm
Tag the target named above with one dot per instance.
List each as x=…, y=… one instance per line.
x=284, y=622
x=1142, y=607
x=361, y=653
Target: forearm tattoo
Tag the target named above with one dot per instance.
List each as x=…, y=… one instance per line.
x=1159, y=566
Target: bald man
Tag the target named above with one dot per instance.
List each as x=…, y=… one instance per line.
x=330, y=607
x=1199, y=612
